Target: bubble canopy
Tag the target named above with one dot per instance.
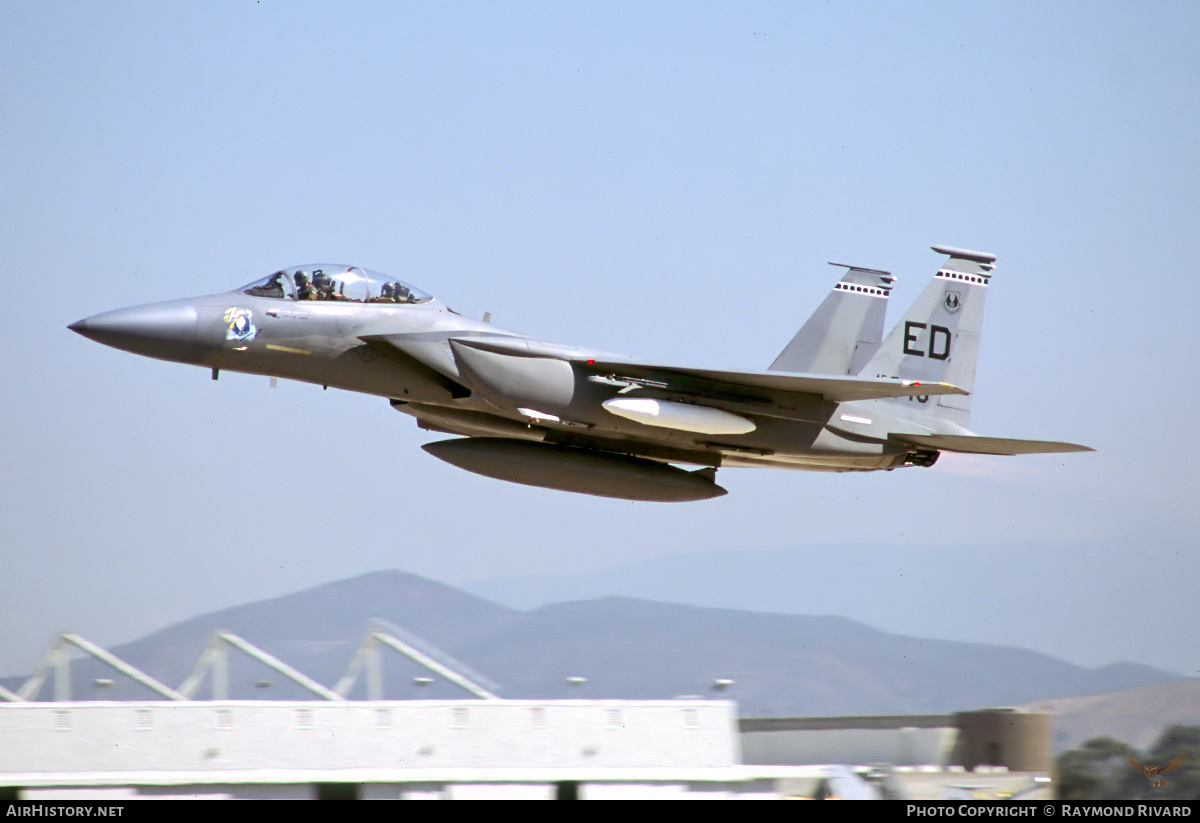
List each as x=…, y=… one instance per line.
x=336, y=283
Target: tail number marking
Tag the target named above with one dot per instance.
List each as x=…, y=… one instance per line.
x=938, y=342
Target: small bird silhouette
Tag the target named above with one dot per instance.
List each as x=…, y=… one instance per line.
x=1155, y=775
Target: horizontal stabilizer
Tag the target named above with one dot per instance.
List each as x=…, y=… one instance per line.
x=970, y=444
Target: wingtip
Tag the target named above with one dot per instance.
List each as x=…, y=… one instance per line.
x=937, y=388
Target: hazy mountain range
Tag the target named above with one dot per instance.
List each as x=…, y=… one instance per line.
x=781, y=664
x=1072, y=600
x=1134, y=716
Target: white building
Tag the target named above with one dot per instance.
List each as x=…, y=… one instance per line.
x=379, y=749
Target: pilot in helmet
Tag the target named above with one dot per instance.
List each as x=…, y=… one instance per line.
x=304, y=289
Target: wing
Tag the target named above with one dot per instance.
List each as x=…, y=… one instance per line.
x=1174, y=764
x=1137, y=765
x=835, y=388
x=710, y=382
x=985, y=445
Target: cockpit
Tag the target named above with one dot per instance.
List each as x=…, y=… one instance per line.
x=348, y=284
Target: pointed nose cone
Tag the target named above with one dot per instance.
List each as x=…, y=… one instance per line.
x=168, y=331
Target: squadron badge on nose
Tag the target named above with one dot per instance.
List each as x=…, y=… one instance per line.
x=239, y=324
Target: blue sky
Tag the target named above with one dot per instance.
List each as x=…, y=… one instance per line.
x=666, y=180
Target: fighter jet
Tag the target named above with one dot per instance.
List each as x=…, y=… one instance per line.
x=839, y=397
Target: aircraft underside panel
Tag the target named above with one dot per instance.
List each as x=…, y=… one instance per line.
x=832, y=452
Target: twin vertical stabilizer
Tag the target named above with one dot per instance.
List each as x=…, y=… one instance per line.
x=845, y=330
x=937, y=340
